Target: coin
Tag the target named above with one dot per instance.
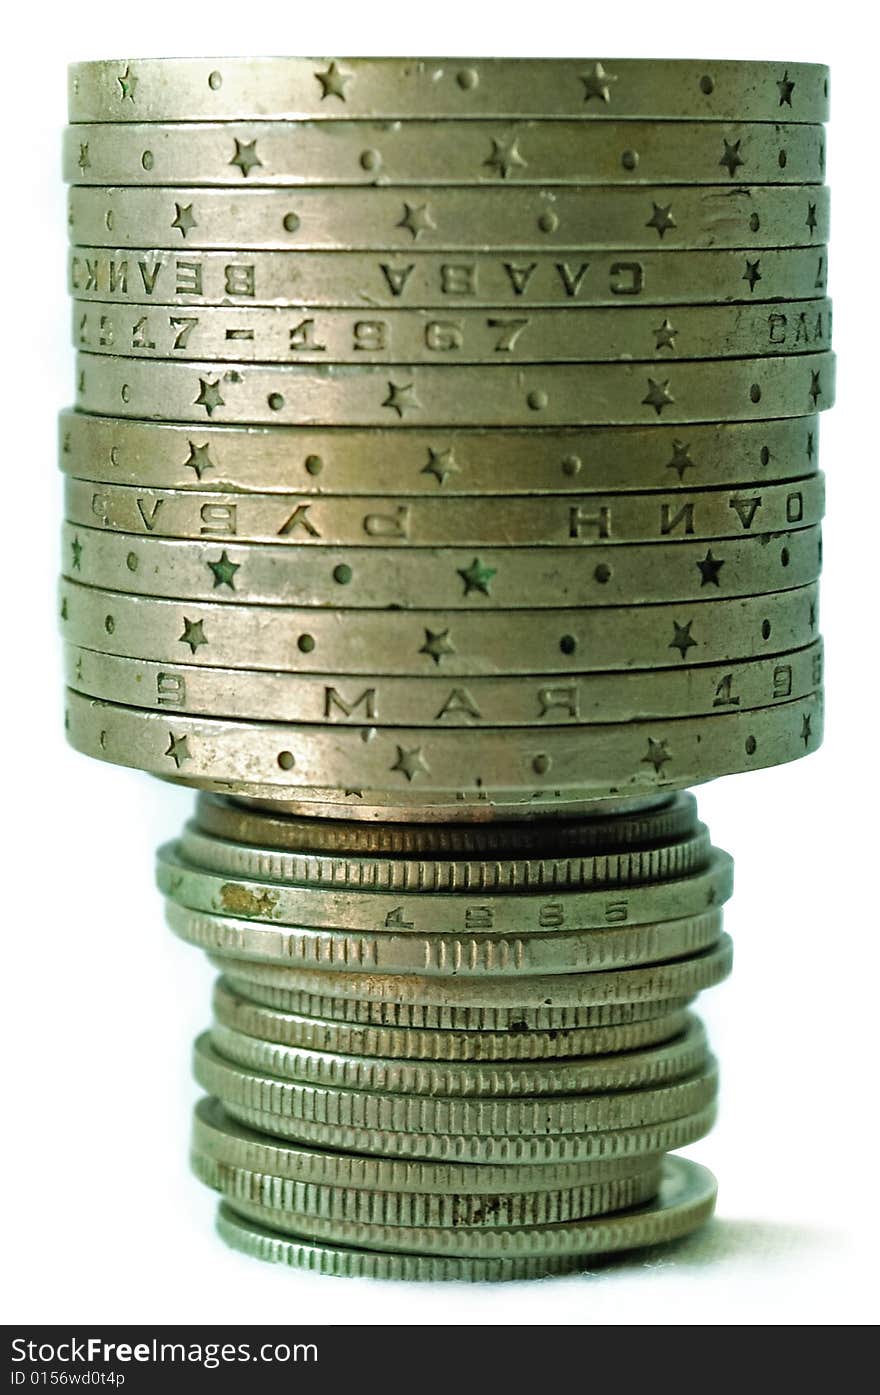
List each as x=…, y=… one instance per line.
x=550, y=151
x=411, y=1209
x=567, y=394
x=413, y=912
x=550, y=1238
x=686, y=1201
x=427, y=1044
x=261, y=1243
x=441, y=325
x=329, y=1113
x=452, y=643
x=657, y=984
x=661, y=818
x=575, y=334
x=617, y=574
x=422, y=875
x=259, y=983
x=463, y=461
x=563, y=952
x=618, y=218
x=646, y=1140
x=220, y=1139
x=673, y=1060
x=567, y=520
x=581, y=699
x=557, y=767
x=187, y=277
x=203, y=89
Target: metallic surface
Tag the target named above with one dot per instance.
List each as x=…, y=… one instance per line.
x=573, y=334
x=430, y=642
x=572, y=520
x=443, y=153
x=442, y=498
x=476, y=219
x=200, y=89
x=501, y=277
x=398, y=873
x=405, y=769
x=663, y=818
x=563, y=394
x=458, y=460
x=685, y=1201
x=610, y=573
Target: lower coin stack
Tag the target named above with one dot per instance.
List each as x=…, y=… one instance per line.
x=452, y=1052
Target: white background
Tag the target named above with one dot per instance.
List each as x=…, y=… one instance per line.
x=102, y=1222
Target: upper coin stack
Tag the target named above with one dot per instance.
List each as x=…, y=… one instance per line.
x=460, y=416
x=444, y=456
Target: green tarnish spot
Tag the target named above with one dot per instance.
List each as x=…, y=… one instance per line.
x=476, y=577
x=224, y=571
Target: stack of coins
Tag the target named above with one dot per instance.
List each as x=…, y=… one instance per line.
x=442, y=499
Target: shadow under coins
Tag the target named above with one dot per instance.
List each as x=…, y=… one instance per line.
x=732, y=1240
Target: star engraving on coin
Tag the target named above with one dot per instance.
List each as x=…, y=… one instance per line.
x=127, y=85
x=753, y=273
x=477, y=577
x=597, y=83
x=437, y=643
x=245, y=157
x=710, y=568
x=76, y=549
x=178, y=749
x=665, y=336
x=505, y=157
x=812, y=219
x=658, y=754
x=193, y=634
x=786, y=87
x=199, y=459
x=416, y=219
x=184, y=220
x=815, y=387
x=209, y=396
x=401, y=398
x=661, y=218
x=84, y=162
x=224, y=570
x=681, y=459
x=333, y=82
x=441, y=464
x=806, y=729
x=682, y=639
x=658, y=396
x=731, y=159
x=410, y=763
